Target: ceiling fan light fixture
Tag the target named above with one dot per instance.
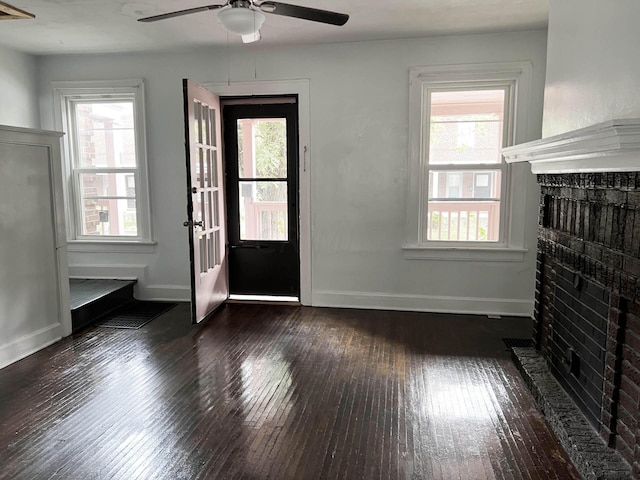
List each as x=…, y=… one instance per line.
x=241, y=20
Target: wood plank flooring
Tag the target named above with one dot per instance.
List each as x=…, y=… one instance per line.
x=278, y=392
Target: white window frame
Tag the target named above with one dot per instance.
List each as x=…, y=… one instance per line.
x=516, y=77
x=66, y=93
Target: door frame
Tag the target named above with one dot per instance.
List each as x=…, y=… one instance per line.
x=301, y=89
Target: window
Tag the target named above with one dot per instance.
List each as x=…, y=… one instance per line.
x=462, y=194
x=462, y=145
x=106, y=187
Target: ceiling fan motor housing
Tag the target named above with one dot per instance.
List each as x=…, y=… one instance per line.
x=240, y=18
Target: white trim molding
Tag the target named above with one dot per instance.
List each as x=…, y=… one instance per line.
x=110, y=271
x=424, y=303
x=30, y=343
x=111, y=247
x=166, y=293
x=466, y=254
x=612, y=146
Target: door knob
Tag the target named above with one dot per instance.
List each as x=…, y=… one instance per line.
x=194, y=189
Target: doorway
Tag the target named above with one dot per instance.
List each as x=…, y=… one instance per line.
x=262, y=180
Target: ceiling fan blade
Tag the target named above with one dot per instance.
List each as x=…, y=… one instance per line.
x=179, y=13
x=306, y=13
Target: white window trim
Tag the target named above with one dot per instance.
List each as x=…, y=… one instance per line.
x=511, y=248
x=63, y=93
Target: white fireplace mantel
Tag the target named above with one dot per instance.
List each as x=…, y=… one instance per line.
x=612, y=146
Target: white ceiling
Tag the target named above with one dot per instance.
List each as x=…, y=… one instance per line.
x=75, y=26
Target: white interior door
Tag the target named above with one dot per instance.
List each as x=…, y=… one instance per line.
x=205, y=201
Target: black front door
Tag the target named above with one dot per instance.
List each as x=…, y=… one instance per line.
x=261, y=163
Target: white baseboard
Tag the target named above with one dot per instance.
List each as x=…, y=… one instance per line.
x=169, y=293
x=423, y=303
x=27, y=344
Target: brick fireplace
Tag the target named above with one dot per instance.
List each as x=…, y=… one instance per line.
x=586, y=320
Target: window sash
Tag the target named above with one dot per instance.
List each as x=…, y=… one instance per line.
x=507, y=138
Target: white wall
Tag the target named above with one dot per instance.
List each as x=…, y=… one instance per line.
x=18, y=89
x=359, y=121
x=593, y=66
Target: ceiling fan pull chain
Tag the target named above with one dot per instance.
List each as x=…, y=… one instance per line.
x=255, y=66
x=228, y=63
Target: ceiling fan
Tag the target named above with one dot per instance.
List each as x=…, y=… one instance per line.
x=9, y=12
x=244, y=17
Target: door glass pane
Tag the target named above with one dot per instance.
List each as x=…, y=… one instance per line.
x=263, y=210
x=466, y=127
x=205, y=215
x=204, y=124
x=196, y=121
x=215, y=222
x=262, y=148
x=212, y=127
x=212, y=168
x=202, y=240
x=105, y=134
x=216, y=247
x=116, y=217
x=210, y=253
x=202, y=168
x=197, y=207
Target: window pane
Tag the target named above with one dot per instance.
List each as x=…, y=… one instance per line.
x=462, y=184
x=101, y=184
x=105, y=135
x=472, y=221
x=262, y=148
x=464, y=205
x=466, y=127
x=109, y=217
x=263, y=211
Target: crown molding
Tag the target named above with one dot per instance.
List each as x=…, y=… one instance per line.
x=612, y=146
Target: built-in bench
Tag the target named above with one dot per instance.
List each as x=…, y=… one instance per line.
x=91, y=299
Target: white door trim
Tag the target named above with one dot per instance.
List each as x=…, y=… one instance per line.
x=288, y=87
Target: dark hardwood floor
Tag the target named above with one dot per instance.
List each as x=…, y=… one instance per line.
x=278, y=392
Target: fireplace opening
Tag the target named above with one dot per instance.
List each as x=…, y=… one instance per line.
x=579, y=339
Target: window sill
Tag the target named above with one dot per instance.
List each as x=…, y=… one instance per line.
x=116, y=246
x=468, y=254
